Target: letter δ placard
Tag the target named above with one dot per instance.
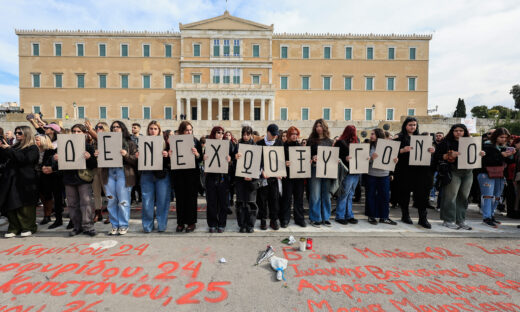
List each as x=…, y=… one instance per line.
x=274, y=161
x=109, y=150
x=248, y=166
x=469, y=149
x=150, y=152
x=182, y=156
x=217, y=151
x=387, y=151
x=300, y=158
x=71, y=152
x=327, y=164
x=359, y=162
x=419, y=155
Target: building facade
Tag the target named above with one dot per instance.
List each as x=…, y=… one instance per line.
x=223, y=68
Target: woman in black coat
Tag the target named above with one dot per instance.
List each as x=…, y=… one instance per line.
x=19, y=191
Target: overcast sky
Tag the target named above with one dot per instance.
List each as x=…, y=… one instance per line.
x=474, y=53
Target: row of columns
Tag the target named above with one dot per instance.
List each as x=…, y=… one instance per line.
x=186, y=108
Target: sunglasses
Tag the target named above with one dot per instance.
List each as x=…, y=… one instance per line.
x=219, y=132
x=115, y=127
x=18, y=133
x=99, y=127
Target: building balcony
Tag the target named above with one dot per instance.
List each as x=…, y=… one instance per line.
x=223, y=87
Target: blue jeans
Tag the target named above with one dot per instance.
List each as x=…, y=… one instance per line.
x=491, y=192
x=433, y=190
x=118, y=196
x=344, y=205
x=378, y=196
x=155, y=192
x=319, y=199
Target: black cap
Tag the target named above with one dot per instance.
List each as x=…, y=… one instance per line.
x=273, y=129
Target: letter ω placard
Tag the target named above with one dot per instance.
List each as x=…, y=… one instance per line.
x=216, y=162
x=248, y=165
x=327, y=164
x=359, y=162
x=300, y=158
x=71, y=150
x=419, y=155
x=150, y=152
x=387, y=151
x=109, y=150
x=469, y=149
x=182, y=156
x=274, y=161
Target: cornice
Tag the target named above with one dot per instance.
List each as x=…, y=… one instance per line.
x=352, y=36
x=97, y=33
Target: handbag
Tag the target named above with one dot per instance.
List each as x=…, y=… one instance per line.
x=444, y=176
x=86, y=175
x=495, y=172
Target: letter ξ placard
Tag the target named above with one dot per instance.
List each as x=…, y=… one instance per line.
x=419, y=155
x=109, y=150
x=71, y=152
x=469, y=149
x=217, y=151
x=150, y=153
x=248, y=165
x=182, y=156
x=359, y=162
x=274, y=161
x=387, y=151
x=300, y=158
x=327, y=164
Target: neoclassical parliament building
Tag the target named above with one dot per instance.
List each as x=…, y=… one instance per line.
x=223, y=68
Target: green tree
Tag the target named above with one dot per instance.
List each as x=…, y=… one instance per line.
x=504, y=112
x=515, y=91
x=460, y=111
x=480, y=111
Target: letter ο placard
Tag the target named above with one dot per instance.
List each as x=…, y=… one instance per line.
x=469, y=149
x=274, y=161
x=387, y=151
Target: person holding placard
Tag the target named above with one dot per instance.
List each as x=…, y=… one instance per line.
x=245, y=189
x=46, y=178
x=292, y=187
x=19, y=181
x=118, y=182
x=319, y=201
x=186, y=184
x=491, y=177
x=344, y=214
x=268, y=195
x=78, y=188
x=155, y=187
x=456, y=183
x=377, y=186
x=217, y=187
x=416, y=179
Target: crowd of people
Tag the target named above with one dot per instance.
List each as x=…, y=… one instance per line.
x=30, y=177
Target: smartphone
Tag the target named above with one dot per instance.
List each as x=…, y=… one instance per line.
x=30, y=116
x=510, y=149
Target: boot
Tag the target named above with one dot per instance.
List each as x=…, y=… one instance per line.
x=45, y=220
x=423, y=220
x=405, y=216
x=98, y=216
x=57, y=222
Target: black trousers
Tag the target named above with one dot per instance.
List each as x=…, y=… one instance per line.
x=292, y=193
x=418, y=180
x=217, y=198
x=246, y=214
x=268, y=196
x=186, y=185
x=57, y=193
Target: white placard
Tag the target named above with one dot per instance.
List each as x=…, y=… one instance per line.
x=248, y=165
x=182, y=155
x=71, y=152
x=109, y=150
x=300, y=158
x=387, y=151
x=470, y=123
x=419, y=155
x=469, y=149
x=150, y=152
x=274, y=161
x=360, y=153
x=327, y=164
x=217, y=151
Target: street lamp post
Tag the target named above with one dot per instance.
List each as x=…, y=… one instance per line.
x=75, y=112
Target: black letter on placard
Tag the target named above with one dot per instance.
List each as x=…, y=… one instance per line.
x=271, y=161
x=105, y=154
x=215, y=155
x=71, y=145
x=389, y=155
x=177, y=150
x=148, y=145
x=355, y=155
x=417, y=150
x=247, y=167
x=301, y=159
x=474, y=147
x=326, y=160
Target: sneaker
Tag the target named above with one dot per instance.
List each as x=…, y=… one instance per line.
x=342, y=221
x=316, y=224
x=327, y=223
x=387, y=221
x=372, y=221
x=489, y=222
x=26, y=234
x=250, y=230
x=450, y=225
x=263, y=224
x=122, y=231
x=352, y=221
x=9, y=235
x=464, y=226
x=242, y=230
x=113, y=231
x=221, y=230
x=495, y=220
x=212, y=230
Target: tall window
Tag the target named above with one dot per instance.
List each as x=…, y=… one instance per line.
x=256, y=50
x=305, y=83
x=370, y=53
x=57, y=49
x=146, y=81
x=305, y=114
x=146, y=112
x=326, y=52
x=226, y=47
x=412, y=53
x=58, y=112
x=283, y=113
x=390, y=83
x=347, y=113
x=168, y=81
x=102, y=49
x=326, y=83
x=36, y=49
x=348, y=83
x=216, y=75
x=236, y=75
x=369, y=83
x=284, y=83
x=124, y=81
x=391, y=53
x=167, y=50
x=284, y=52
x=196, y=78
x=227, y=75
x=368, y=113
x=216, y=47
x=81, y=80
x=348, y=53
x=326, y=113
x=305, y=52
x=80, y=49
x=389, y=114
x=103, y=81
x=196, y=49
x=58, y=80
x=124, y=112
x=168, y=113
x=146, y=50
x=411, y=83
x=36, y=80
x=124, y=50
x=411, y=112
x=102, y=112
x=81, y=112
x=236, y=47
